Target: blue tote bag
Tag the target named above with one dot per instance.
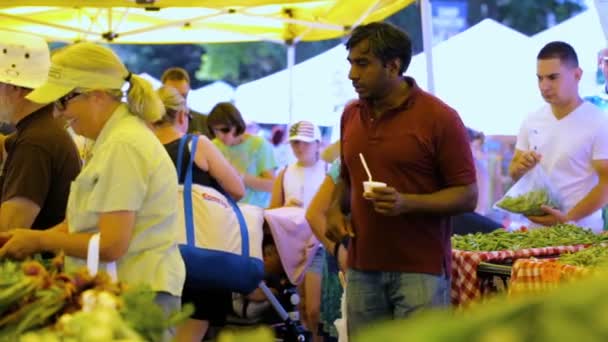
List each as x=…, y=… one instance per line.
x=218, y=240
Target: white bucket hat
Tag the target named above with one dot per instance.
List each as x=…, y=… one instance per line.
x=24, y=59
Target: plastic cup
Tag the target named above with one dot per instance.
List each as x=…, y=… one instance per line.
x=368, y=186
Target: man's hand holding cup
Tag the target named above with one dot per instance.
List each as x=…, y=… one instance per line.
x=386, y=200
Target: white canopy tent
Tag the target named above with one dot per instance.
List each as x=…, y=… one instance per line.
x=584, y=33
x=487, y=73
x=203, y=99
x=320, y=86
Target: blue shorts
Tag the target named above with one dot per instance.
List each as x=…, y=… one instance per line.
x=316, y=265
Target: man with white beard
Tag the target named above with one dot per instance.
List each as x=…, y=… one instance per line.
x=41, y=159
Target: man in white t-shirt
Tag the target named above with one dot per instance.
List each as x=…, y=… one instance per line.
x=569, y=138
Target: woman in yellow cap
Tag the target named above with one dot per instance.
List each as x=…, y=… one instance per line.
x=127, y=190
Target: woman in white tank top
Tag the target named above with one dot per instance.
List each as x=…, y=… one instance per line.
x=296, y=185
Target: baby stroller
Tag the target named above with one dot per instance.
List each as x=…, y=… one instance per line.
x=295, y=246
x=288, y=330
x=288, y=249
x=279, y=310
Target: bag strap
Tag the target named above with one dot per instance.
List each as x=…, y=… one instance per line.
x=189, y=217
x=180, y=155
x=188, y=212
x=93, y=259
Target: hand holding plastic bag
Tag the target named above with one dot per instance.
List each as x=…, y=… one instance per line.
x=529, y=193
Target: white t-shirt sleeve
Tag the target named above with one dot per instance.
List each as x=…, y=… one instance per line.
x=600, y=142
x=523, y=142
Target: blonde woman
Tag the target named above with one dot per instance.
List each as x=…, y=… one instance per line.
x=127, y=189
x=213, y=170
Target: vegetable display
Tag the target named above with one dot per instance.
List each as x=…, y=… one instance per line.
x=67, y=306
x=588, y=257
x=558, y=235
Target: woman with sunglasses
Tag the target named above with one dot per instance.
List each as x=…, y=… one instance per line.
x=126, y=191
x=213, y=170
x=252, y=156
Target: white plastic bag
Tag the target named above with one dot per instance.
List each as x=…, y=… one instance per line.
x=529, y=193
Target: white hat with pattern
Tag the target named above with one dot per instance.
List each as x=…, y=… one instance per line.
x=24, y=59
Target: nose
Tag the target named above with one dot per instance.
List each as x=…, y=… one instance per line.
x=352, y=74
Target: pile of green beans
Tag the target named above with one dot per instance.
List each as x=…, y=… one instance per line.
x=588, y=257
x=558, y=235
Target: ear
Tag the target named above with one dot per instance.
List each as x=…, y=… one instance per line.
x=182, y=117
x=393, y=66
x=578, y=73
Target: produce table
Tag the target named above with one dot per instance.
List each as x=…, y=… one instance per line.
x=534, y=275
x=466, y=284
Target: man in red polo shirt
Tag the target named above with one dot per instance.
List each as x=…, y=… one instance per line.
x=399, y=256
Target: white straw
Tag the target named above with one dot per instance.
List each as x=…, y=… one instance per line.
x=369, y=174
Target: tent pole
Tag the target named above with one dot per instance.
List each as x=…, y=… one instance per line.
x=426, y=16
x=291, y=61
x=601, y=8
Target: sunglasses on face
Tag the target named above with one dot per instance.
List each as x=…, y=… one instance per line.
x=62, y=103
x=224, y=130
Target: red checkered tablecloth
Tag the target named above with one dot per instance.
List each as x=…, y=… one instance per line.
x=466, y=286
x=534, y=275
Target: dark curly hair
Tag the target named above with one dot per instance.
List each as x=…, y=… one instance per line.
x=386, y=41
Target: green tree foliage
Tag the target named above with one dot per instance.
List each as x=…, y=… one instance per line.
x=409, y=20
x=242, y=62
x=154, y=59
x=526, y=16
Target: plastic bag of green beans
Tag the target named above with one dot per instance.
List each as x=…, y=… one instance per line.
x=529, y=193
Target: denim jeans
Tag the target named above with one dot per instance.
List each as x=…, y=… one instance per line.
x=377, y=296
